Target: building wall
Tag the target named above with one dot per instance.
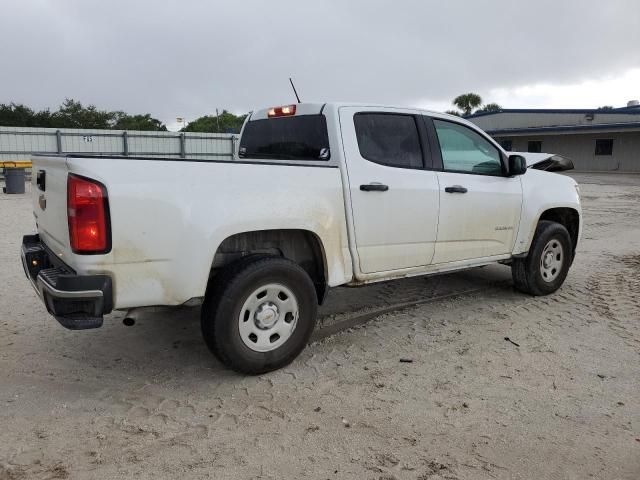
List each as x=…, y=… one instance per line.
x=581, y=149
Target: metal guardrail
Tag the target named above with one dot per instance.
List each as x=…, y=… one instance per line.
x=19, y=143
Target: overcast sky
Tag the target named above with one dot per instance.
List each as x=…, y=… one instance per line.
x=185, y=58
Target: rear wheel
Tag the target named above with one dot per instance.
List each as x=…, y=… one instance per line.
x=546, y=266
x=259, y=314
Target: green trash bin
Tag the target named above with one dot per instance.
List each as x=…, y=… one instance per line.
x=13, y=180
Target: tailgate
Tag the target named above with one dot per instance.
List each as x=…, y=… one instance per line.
x=49, y=196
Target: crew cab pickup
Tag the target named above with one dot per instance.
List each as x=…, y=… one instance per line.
x=316, y=196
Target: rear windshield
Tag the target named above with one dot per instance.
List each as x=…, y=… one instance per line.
x=290, y=138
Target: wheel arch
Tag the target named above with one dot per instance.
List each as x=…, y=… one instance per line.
x=567, y=217
x=301, y=246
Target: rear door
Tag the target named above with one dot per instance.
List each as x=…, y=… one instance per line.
x=394, y=192
x=479, y=205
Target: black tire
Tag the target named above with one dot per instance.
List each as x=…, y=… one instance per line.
x=528, y=272
x=224, y=301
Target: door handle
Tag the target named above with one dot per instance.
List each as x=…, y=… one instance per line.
x=374, y=187
x=455, y=189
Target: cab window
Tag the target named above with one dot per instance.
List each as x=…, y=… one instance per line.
x=466, y=151
x=389, y=139
x=301, y=137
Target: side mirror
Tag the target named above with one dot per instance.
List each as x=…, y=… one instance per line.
x=517, y=165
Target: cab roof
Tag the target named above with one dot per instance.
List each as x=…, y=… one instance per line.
x=315, y=108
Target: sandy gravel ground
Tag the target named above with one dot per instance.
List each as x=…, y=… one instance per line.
x=149, y=401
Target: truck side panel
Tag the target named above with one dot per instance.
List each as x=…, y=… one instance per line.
x=169, y=217
x=543, y=191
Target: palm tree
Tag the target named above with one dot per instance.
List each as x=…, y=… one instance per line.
x=467, y=102
x=489, y=107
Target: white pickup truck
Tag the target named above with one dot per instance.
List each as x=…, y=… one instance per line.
x=316, y=196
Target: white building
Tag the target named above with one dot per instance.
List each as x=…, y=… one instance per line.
x=595, y=139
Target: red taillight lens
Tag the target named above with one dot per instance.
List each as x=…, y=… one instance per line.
x=282, y=111
x=88, y=214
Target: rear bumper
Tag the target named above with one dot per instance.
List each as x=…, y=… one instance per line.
x=78, y=302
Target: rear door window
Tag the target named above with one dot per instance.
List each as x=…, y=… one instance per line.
x=388, y=138
x=302, y=137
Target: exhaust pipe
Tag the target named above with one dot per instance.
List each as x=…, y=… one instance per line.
x=129, y=319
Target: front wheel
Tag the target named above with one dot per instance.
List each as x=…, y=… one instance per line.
x=259, y=314
x=546, y=266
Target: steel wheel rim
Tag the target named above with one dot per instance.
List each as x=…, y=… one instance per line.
x=551, y=260
x=268, y=317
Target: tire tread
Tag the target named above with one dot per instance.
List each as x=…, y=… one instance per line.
x=524, y=270
x=217, y=297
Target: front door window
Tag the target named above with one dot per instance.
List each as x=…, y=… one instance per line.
x=466, y=151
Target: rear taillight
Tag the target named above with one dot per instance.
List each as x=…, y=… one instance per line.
x=88, y=214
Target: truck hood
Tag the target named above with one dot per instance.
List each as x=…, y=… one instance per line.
x=546, y=161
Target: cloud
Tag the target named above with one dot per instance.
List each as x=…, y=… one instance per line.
x=614, y=90
x=187, y=58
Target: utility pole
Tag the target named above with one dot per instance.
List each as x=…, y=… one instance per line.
x=218, y=120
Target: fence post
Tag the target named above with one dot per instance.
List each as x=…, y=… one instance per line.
x=183, y=150
x=125, y=143
x=59, y=140
x=233, y=147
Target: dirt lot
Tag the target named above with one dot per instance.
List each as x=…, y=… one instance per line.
x=151, y=402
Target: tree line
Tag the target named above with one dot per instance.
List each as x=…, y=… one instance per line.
x=469, y=103
x=225, y=122
x=73, y=114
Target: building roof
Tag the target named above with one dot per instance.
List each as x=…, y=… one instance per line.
x=633, y=110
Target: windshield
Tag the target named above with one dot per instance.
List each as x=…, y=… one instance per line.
x=302, y=137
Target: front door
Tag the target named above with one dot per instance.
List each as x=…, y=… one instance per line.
x=479, y=205
x=394, y=198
